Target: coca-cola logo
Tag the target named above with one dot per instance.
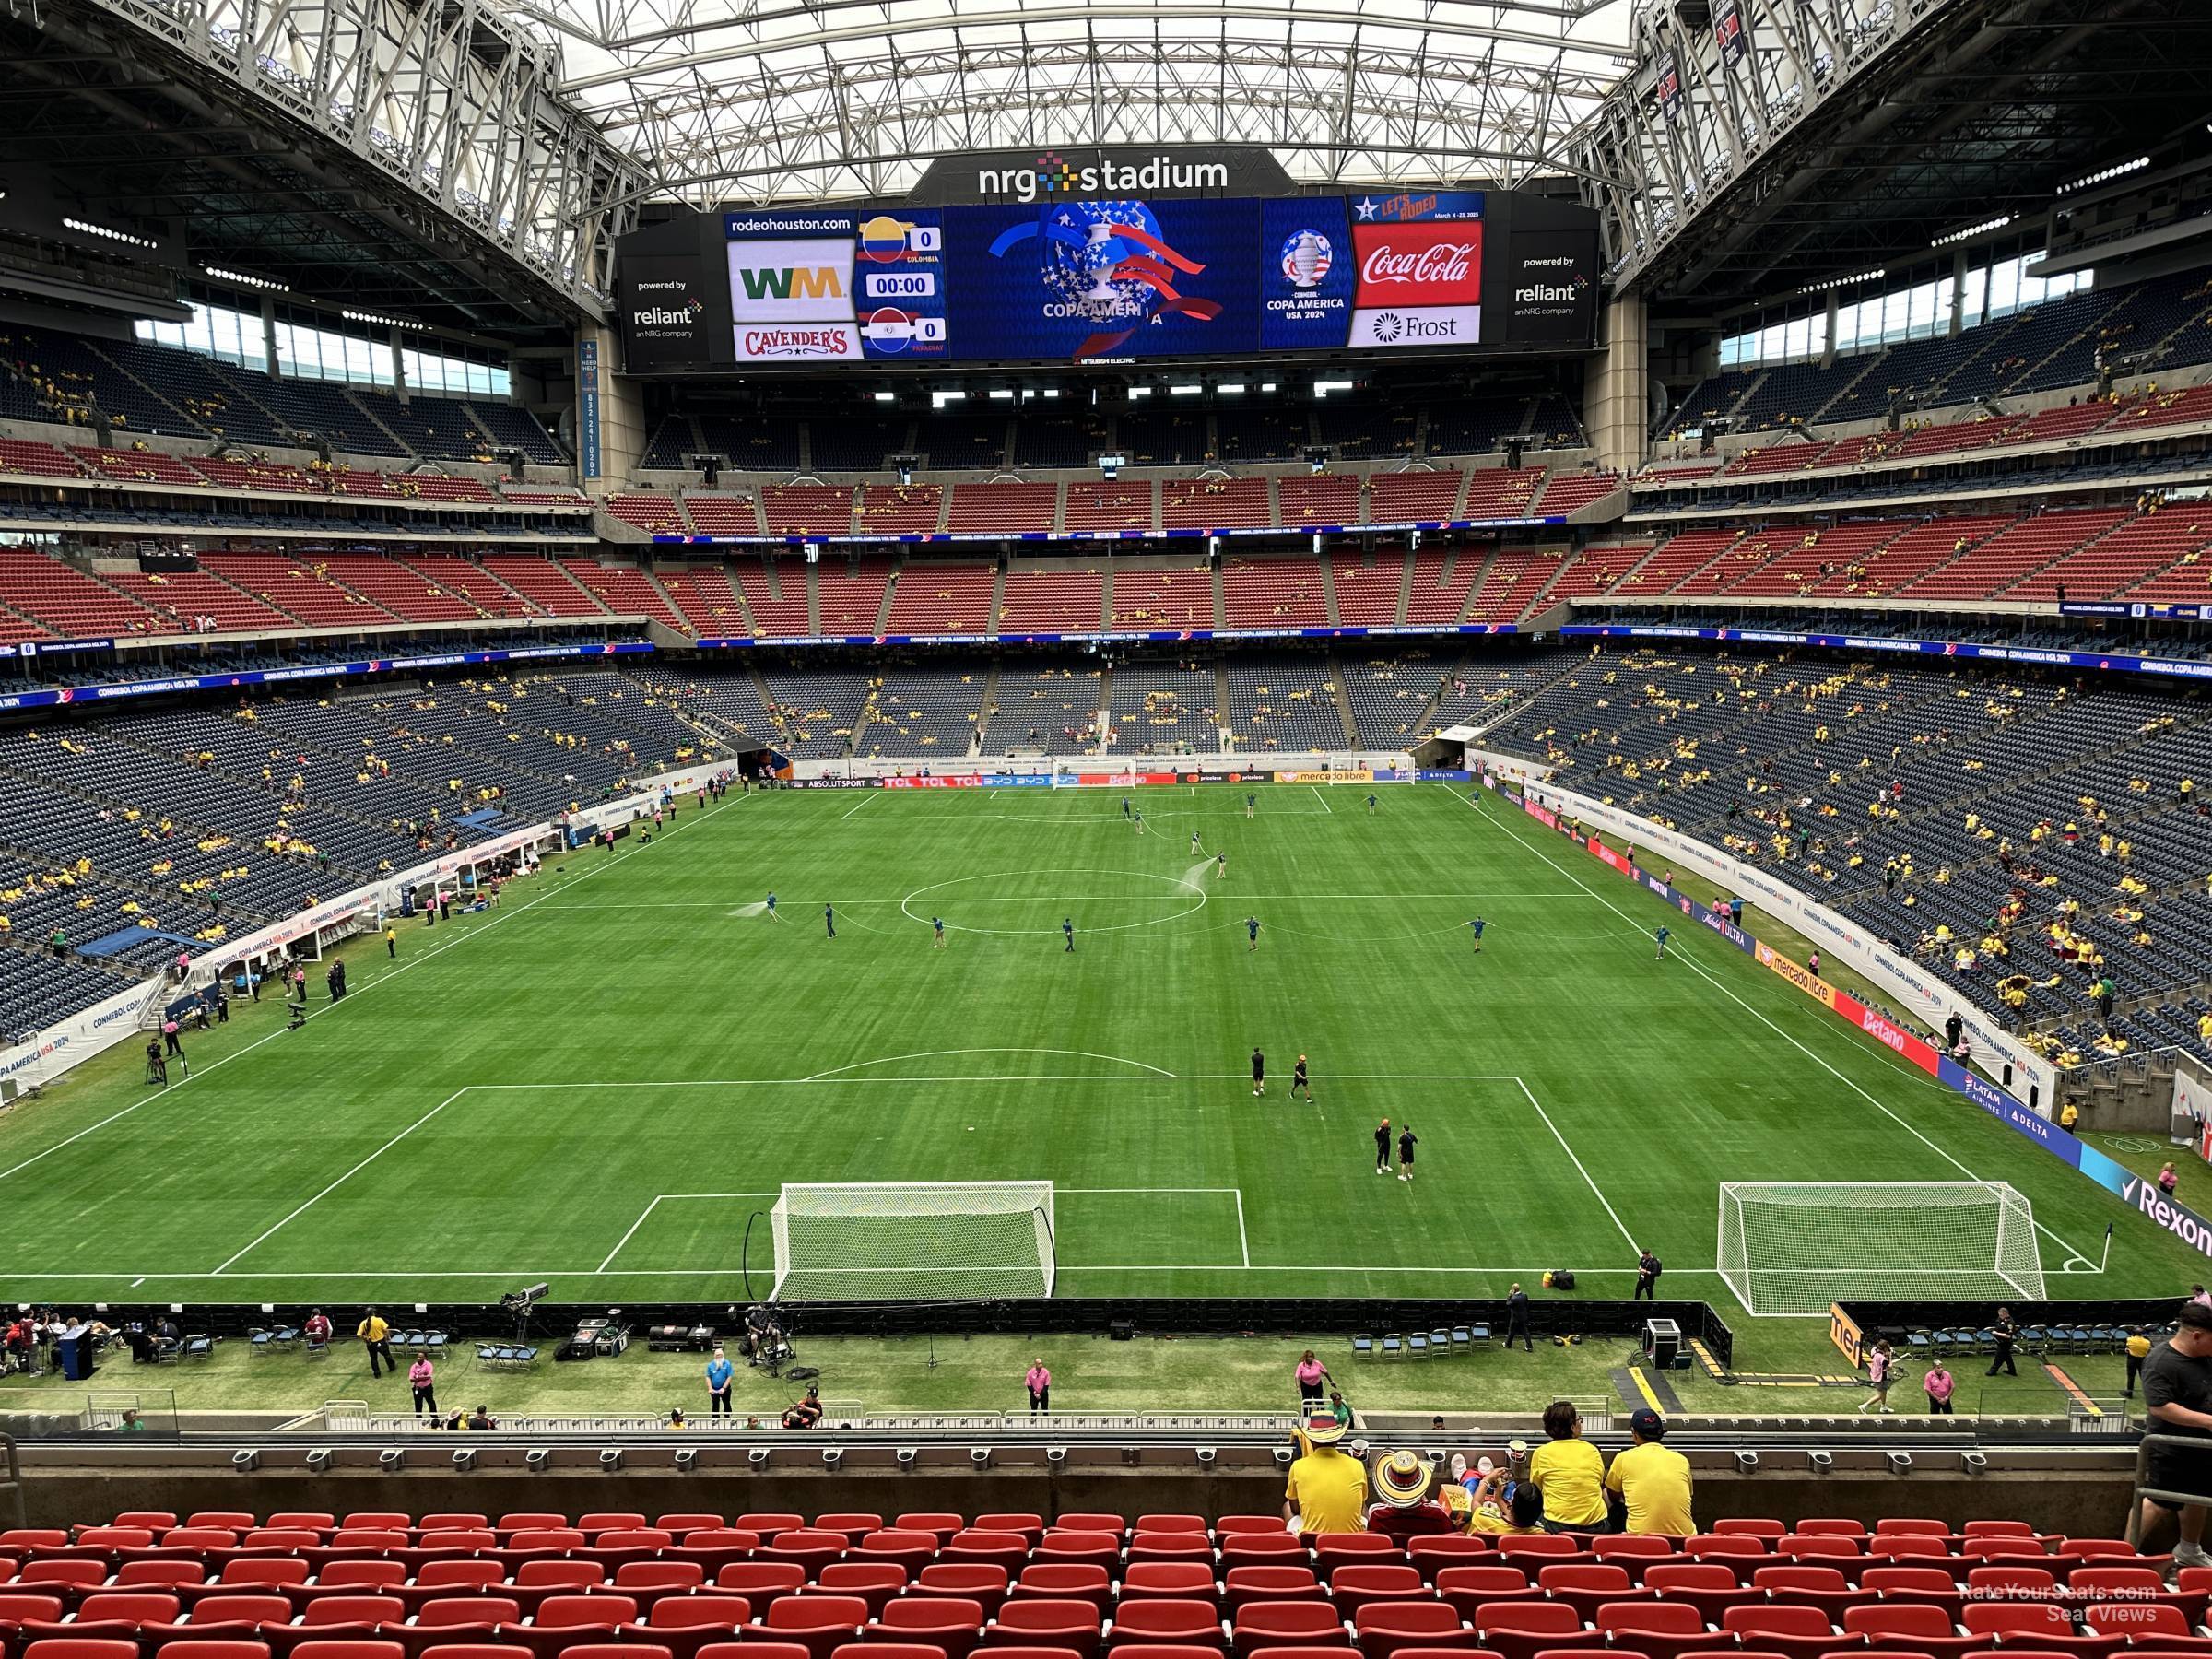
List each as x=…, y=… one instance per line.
x=1439, y=261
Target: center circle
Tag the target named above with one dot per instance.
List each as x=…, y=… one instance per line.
x=1049, y=891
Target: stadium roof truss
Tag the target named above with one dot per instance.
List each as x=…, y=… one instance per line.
x=453, y=101
x=770, y=99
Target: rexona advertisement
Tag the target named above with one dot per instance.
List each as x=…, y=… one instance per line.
x=1069, y=264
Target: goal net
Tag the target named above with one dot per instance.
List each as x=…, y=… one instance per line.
x=913, y=1240
x=1795, y=1246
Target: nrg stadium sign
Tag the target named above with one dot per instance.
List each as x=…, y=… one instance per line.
x=1084, y=171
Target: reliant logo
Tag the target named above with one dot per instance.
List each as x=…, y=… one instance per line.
x=1054, y=175
x=664, y=316
x=1545, y=293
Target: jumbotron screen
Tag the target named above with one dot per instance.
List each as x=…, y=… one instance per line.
x=1104, y=280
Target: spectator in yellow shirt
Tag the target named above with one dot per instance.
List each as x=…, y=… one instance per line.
x=1569, y=1471
x=376, y=1336
x=1327, y=1492
x=1652, y=1480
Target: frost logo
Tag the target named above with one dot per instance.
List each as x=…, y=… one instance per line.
x=1389, y=327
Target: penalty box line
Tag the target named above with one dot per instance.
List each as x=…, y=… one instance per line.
x=224, y=1267
x=1237, y=1194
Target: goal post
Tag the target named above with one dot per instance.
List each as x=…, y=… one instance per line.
x=913, y=1240
x=1793, y=1247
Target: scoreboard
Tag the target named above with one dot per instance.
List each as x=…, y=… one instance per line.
x=1100, y=279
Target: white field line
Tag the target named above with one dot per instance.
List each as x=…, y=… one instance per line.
x=327, y=1275
x=1323, y=799
x=2073, y=1255
x=407, y=963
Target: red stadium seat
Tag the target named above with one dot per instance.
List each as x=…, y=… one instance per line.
x=820, y=1623
x=1749, y=1526
x=373, y=1576
x=1383, y=1630
x=353, y=1609
x=948, y=1624
x=128, y=1607
x=763, y=1581
x=212, y=1649
x=650, y=1580
x=874, y=1582
x=1096, y=1548
x=1244, y=1585
x=1065, y=1580
x=80, y=1647
x=1356, y=1585
x=448, y=1610
x=910, y=1550
x=1710, y=1587
x=1331, y=1551
x=2012, y=1583
x=1796, y=1583
x=1923, y=1628
x=981, y=1582
x=1522, y=1630
x=1030, y=1528
x=1231, y=1525
x=1614, y=1545
x=1432, y=1554
x=147, y=1575
x=1262, y=1626
x=1046, y=1623
x=1171, y=1546
x=1587, y=1586
x=1908, y=1523
x=62, y=1574
x=19, y=1607
x=1653, y=1630
x=246, y=1570
x=685, y=1624
x=1793, y=1632
x=1557, y=1549
x=941, y=1524
x=1172, y=1623
x=1010, y=1551
x=1830, y=1525
x=232, y=1609
x=1170, y=1581
x=1179, y=1523
x=476, y=1649
x=1259, y=1548
x=1093, y=1521
x=1469, y=1588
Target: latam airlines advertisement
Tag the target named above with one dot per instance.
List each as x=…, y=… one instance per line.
x=1078, y=279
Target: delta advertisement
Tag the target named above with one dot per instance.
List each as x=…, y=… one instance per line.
x=2139, y=1193
x=1063, y=274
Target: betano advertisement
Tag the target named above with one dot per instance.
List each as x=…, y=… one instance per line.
x=2137, y=1193
x=1108, y=278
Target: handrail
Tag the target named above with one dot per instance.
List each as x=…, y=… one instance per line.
x=2143, y=1489
x=14, y=1483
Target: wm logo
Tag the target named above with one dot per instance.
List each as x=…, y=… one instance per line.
x=805, y=282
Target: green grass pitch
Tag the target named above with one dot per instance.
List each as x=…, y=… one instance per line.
x=599, y=1084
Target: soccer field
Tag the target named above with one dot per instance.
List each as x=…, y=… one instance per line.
x=601, y=1083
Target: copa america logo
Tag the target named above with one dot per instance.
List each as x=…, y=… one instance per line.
x=1306, y=258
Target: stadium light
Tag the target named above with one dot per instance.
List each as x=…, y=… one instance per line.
x=887, y=397
x=1185, y=389
x=1266, y=385
x=1968, y=234
x=2119, y=169
x=1875, y=275
x=937, y=400
x=87, y=228
x=1002, y=394
x=1323, y=388
x=269, y=284
x=1137, y=392
x=1230, y=388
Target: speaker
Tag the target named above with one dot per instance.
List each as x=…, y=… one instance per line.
x=1122, y=1330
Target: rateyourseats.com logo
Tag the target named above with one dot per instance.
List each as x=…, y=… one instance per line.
x=1053, y=174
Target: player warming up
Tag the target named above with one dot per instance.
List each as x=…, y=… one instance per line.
x=1251, y=932
x=1477, y=924
x=1259, y=1073
x=1659, y=938
x=1140, y=823
x=1382, y=1147
x=1299, y=1085
x=1408, y=1140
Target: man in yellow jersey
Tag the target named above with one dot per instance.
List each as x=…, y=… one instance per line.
x=1569, y=1472
x=1652, y=1480
x=376, y=1336
x=1327, y=1492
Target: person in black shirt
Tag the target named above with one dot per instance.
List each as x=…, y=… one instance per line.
x=1516, y=1319
x=1382, y=1147
x=1408, y=1140
x=2177, y=1397
x=1259, y=1073
x=1647, y=1277
x=1299, y=1083
x=2007, y=1333
x=1952, y=1029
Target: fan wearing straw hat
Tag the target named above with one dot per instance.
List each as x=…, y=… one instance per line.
x=1403, y=1506
x=1327, y=1492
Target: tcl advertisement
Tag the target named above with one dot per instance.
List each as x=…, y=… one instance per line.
x=1420, y=282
